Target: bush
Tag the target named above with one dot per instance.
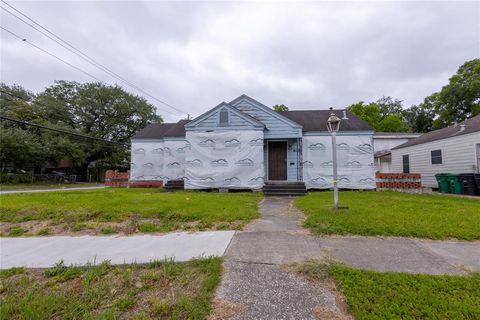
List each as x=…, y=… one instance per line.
x=15, y=178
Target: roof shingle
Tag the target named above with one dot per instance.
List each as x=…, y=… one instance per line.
x=469, y=126
x=316, y=120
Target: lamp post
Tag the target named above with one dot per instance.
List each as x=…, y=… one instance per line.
x=333, y=124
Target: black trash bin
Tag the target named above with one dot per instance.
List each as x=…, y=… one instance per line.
x=477, y=181
x=468, y=184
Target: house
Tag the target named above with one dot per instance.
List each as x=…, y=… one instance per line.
x=455, y=149
x=383, y=142
x=243, y=143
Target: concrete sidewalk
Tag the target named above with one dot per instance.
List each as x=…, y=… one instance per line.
x=43, y=252
x=255, y=277
x=49, y=190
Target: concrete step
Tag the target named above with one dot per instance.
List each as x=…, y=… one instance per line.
x=283, y=194
x=284, y=188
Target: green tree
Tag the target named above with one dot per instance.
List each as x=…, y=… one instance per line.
x=384, y=115
x=460, y=98
x=280, y=107
x=420, y=117
x=94, y=109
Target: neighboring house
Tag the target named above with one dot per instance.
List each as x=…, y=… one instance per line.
x=455, y=149
x=243, y=143
x=383, y=142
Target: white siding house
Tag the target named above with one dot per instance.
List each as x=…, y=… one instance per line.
x=455, y=149
x=383, y=142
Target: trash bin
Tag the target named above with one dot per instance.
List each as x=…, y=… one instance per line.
x=455, y=184
x=468, y=184
x=443, y=182
x=476, y=176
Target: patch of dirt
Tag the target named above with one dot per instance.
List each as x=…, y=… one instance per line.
x=124, y=228
x=317, y=272
x=223, y=309
x=322, y=312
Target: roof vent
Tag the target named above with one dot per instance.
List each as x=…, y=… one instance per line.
x=462, y=127
x=345, y=115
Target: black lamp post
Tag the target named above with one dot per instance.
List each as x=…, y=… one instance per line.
x=333, y=124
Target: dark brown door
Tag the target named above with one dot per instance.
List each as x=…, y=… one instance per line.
x=277, y=160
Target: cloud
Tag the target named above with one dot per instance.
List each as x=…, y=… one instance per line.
x=306, y=55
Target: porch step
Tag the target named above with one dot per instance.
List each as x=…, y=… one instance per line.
x=284, y=188
x=173, y=185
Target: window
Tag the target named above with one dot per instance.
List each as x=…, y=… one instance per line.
x=436, y=156
x=406, y=163
x=223, y=118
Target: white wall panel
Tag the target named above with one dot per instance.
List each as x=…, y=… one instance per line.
x=354, y=159
x=224, y=159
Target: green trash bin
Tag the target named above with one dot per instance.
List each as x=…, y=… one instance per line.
x=443, y=182
x=455, y=184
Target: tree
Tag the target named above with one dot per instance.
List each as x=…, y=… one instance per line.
x=280, y=107
x=420, y=117
x=384, y=115
x=460, y=98
x=93, y=109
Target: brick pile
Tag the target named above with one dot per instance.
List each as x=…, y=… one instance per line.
x=398, y=181
x=113, y=178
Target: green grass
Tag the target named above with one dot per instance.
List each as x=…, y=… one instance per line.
x=162, y=211
x=376, y=295
x=392, y=214
x=159, y=290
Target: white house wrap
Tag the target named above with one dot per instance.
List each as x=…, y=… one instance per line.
x=226, y=159
x=146, y=161
x=243, y=143
x=174, y=159
x=356, y=169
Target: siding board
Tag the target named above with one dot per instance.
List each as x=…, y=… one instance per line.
x=458, y=156
x=276, y=128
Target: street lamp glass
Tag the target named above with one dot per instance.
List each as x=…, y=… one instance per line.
x=333, y=123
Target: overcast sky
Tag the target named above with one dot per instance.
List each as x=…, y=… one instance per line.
x=195, y=55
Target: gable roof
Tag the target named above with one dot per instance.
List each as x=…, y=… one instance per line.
x=266, y=109
x=471, y=125
x=243, y=115
x=162, y=130
x=316, y=120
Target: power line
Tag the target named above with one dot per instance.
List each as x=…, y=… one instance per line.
x=59, y=130
x=49, y=53
x=82, y=55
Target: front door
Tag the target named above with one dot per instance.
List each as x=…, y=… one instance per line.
x=277, y=160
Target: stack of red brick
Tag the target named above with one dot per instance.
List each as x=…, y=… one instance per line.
x=113, y=178
x=116, y=179
x=398, y=180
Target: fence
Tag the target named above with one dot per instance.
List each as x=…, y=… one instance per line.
x=40, y=178
x=409, y=182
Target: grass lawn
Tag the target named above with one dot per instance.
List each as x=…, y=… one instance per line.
x=392, y=214
x=44, y=185
x=122, y=210
x=375, y=295
x=159, y=290
x=388, y=295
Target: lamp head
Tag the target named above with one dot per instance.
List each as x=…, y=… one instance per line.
x=333, y=122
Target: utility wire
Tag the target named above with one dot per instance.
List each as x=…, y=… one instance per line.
x=59, y=130
x=49, y=53
x=47, y=106
x=54, y=56
x=82, y=55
